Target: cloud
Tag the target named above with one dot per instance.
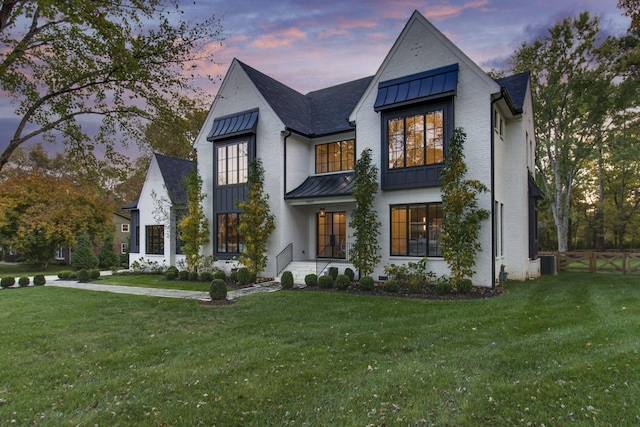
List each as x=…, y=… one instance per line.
x=447, y=10
x=279, y=39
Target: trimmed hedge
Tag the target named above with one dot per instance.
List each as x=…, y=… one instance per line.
x=286, y=280
x=342, y=282
x=311, y=279
x=325, y=282
x=23, y=281
x=39, y=280
x=367, y=283
x=218, y=290
x=7, y=282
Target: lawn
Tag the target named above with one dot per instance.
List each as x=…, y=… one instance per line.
x=153, y=281
x=18, y=269
x=555, y=351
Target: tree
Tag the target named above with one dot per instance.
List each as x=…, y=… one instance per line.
x=364, y=218
x=120, y=61
x=194, y=227
x=108, y=258
x=462, y=218
x=82, y=256
x=176, y=138
x=256, y=222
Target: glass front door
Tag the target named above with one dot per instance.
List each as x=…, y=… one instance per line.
x=332, y=235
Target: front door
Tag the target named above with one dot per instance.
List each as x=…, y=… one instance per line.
x=332, y=235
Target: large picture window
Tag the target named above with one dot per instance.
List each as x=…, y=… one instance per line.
x=229, y=239
x=415, y=230
x=416, y=140
x=233, y=160
x=154, y=235
x=335, y=156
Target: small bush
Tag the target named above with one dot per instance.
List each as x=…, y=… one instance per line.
x=286, y=280
x=464, y=286
x=244, y=277
x=311, y=280
x=233, y=276
x=443, y=286
x=342, y=282
x=333, y=272
x=7, y=282
x=94, y=274
x=390, y=286
x=83, y=275
x=64, y=275
x=172, y=269
x=220, y=274
x=73, y=275
x=23, y=281
x=39, y=280
x=325, y=282
x=183, y=275
x=349, y=273
x=193, y=276
x=218, y=290
x=170, y=275
x=206, y=276
x=367, y=283
x=414, y=284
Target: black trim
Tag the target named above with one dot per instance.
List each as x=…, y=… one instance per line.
x=234, y=125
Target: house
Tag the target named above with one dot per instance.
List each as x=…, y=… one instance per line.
x=122, y=232
x=162, y=203
x=406, y=114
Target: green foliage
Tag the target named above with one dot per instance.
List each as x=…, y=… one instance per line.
x=349, y=273
x=443, y=286
x=206, y=276
x=463, y=218
x=256, y=222
x=193, y=276
x=64, y=275
x=194, y=227
x=403, y=272
x=7, y=282
x=170, y=275
x=364, y=218
x=172, y=269
x=233, y=276
x=390, y=285
x=367, y=283
x=333, y=272
x=325, y=282
x=94, y=274
x=342, y=282
x=414, y=284
x=219, y=274
x=286, y=280
x=183, y=275
x=244, y=276
x=82, y=256
x=218, y=290
x=464, y=286
x=108, y=258
x=83, y=275
x=311, y=279
x=39, y=280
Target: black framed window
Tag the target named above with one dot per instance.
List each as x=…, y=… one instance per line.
x=154, y=235
x=229, y=239
x=233, y=163
x=335, y=156
x=416, y=229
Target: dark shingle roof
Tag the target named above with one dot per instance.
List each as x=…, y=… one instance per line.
x=516, y=87
x=174, y=172
x=340, y=184
x=321, y=112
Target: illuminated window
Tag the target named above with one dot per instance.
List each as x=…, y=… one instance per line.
x=232, y=163
x=229, y=239
x=416, y=140
x=415, y=230
x=154, y=235
x=335, y=156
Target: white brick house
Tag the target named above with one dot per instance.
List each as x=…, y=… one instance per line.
x=405, y=113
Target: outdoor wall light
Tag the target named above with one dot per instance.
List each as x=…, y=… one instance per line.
x=322, y=212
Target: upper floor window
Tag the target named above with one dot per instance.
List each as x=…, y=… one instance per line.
x=124, y=228
x=154, y=239
x=335, y=156
x=233, y=160
x=416, y=139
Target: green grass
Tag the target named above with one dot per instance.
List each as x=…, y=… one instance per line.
x=555, y=351
x=153, y=281
x=19, y=269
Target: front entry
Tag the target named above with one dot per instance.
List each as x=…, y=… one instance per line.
x=332, y=235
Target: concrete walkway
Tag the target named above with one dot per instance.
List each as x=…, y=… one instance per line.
x=158, y=292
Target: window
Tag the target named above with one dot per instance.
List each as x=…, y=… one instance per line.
x=229, y=239
x=498, y=123
x=335, y=156
x=415, y=230
x=59, y=253
x=416, y=140
x=155, y=239
x=123, y=248
x=124, y=228
x=232, y=163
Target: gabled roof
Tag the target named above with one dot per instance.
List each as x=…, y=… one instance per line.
x=174, y=172
x=320, y=112
x=339, y=184
x=516, y=87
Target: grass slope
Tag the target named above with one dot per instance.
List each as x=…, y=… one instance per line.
x=560, y=350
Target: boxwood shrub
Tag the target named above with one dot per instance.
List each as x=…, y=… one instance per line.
x=83, y=275
x=39, y=280
x=342, y=282
x=349, y=273
x=7, y=282
x=206, y=276
x=325, y=282
x=390, y=286
x=23, y=281
x=218, y=290
x=311, y=279
x=367, y=283
x=286, y=280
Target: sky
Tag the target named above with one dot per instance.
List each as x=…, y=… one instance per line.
x=313, y=44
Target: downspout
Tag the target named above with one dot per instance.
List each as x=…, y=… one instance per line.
x=284, y=174
x=492, y=191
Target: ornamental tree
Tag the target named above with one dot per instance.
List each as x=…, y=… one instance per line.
x=256, y=222
x=462, y=217
x=194, y=227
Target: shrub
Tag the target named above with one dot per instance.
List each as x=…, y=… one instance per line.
x=7, y=282
x=367, y=283
x=342, y=282
x=206, y=276
x=183, y=275
x=464, y=286
x=83, y=275
x=220, y=274
x=193, y=276
x=218, y=290
x=39, y=280
x=23, y=281
x=443, y=286
x=286, y=280
x=414, y=284
x=244, y=276
x=170, y=275
x=333, y=272
x=233, y=277
x=94, y=274
x=82, y=256
x=64, y=275
x=325, y=282
x=73, y=275
x=311, y=279
x=172, y=269
x=390, y=286
x=349, y=273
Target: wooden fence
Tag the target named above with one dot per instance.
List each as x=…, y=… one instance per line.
x=597, y=262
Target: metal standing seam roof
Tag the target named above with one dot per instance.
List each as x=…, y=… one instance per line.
x=236, y=124
x=340, y=184
x=417, y=87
